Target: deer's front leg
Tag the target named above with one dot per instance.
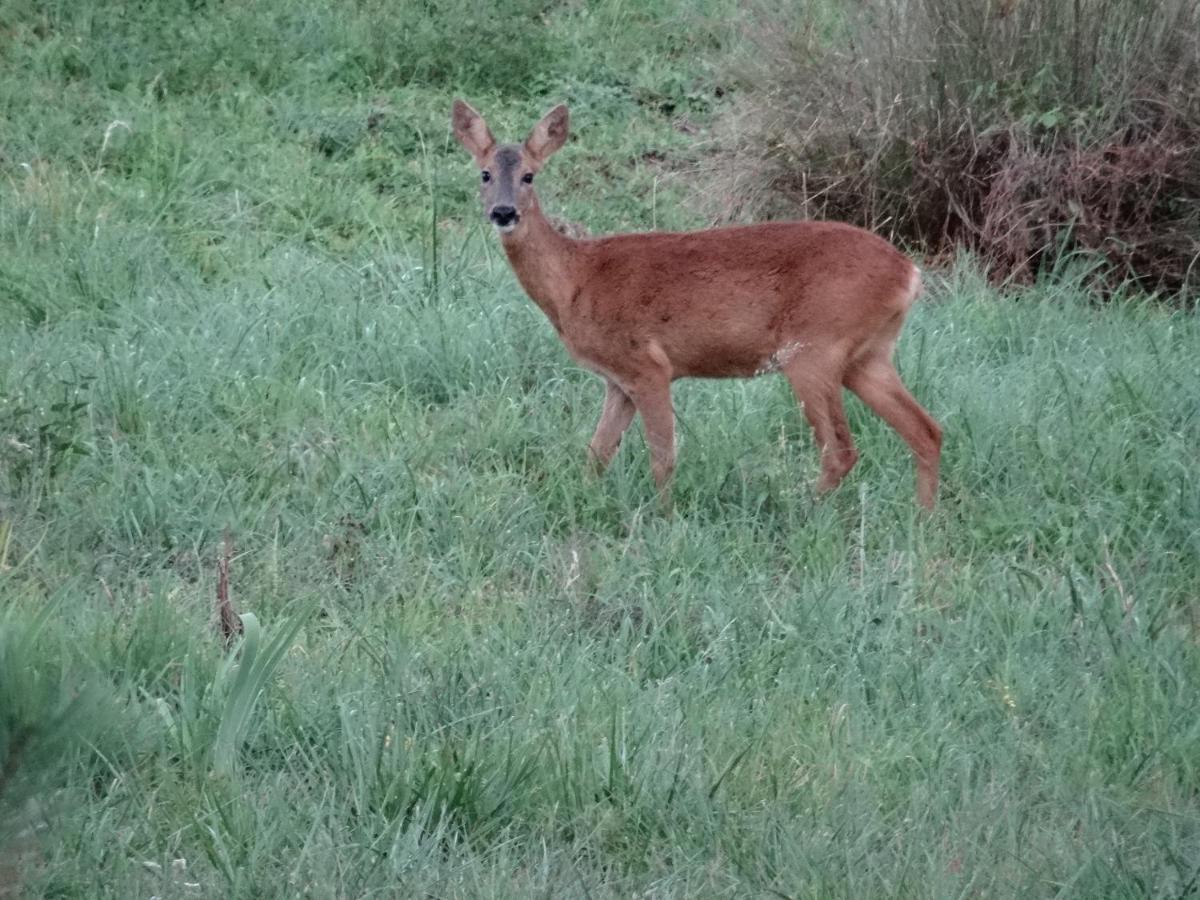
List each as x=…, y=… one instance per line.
x=614, y=420
x=658, y=417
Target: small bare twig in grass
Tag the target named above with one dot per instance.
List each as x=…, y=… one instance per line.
x=229, y=621
x=1127, y=599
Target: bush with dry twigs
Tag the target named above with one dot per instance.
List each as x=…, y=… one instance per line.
x=1024, y=131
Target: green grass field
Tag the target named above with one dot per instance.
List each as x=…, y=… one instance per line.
x=245, y=289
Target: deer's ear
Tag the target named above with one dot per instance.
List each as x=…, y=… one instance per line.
x=549, y=134
x=472, y=132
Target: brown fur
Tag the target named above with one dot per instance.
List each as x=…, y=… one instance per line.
x=822, y=302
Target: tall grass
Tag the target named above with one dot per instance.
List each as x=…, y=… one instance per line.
x=1026, y=131
x=518, y=681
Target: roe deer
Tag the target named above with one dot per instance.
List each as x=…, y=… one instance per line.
x=821, y=302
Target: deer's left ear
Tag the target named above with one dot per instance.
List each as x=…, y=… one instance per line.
x=549, y=134
x=472, y=132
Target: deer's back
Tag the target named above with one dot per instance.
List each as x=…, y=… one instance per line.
x=723, y=302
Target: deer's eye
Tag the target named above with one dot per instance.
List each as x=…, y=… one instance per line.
x=486, y=176
x=527, y=178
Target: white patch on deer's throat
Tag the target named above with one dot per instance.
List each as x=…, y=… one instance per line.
x=780, y=358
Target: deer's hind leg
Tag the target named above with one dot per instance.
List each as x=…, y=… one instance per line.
x=817, y=384
x=878, y=383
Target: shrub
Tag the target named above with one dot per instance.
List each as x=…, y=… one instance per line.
x=1023, y=130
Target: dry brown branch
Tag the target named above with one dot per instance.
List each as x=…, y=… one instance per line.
x=228, y=621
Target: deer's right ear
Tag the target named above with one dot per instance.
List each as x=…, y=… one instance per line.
x=472, y=132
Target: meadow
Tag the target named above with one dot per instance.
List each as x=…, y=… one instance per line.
x=249, y=309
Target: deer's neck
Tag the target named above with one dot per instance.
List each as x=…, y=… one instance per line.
x=544, y=261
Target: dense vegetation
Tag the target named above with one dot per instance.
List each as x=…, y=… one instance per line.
x=245, y=296
x=1027, y=131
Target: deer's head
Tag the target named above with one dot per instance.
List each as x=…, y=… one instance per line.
x=506, y=170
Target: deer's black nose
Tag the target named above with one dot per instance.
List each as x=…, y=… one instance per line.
x=504, y=215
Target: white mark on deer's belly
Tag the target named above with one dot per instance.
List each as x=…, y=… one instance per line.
x=780, y=358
